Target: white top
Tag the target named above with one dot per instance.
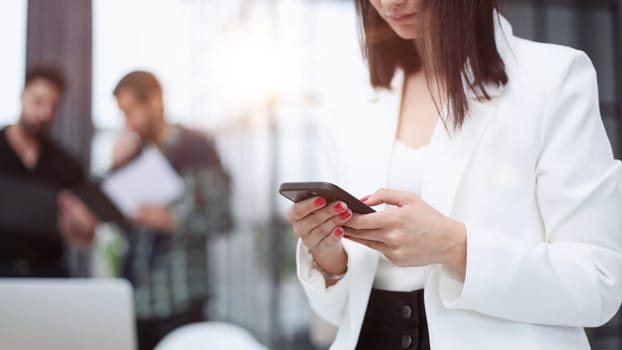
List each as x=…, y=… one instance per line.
x=405, y=174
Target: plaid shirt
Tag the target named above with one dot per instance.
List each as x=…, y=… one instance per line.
x=169, y=271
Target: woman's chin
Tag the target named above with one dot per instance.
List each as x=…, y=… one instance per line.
x=406, y=34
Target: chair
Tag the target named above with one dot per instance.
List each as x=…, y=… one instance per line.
x=210, y=336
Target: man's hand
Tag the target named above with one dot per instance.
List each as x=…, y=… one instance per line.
x=156, y=217
x=126, y=146
x=75, y=221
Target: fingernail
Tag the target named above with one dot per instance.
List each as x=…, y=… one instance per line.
x=339, y=232
x=339, y=207
x=345, y=215
x=319, y=202
x=364, y=199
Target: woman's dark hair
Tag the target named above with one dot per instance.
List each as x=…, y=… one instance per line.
x=460, y=36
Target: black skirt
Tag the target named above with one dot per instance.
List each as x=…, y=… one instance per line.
x=394, y=320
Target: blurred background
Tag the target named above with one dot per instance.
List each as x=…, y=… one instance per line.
x=254, y=74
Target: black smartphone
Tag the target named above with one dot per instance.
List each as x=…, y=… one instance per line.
x=298, y=191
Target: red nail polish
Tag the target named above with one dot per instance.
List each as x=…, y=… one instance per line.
x=319, y=202
x=345, y=215
x=339, y=207
x=364, y=199
x=339, y=232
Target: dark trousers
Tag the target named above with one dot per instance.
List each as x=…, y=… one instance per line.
x=151, y=332
x=394, y=320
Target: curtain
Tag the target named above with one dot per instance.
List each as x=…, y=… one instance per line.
x=59, y=33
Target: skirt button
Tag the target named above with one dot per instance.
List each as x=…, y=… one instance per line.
x=407, y=341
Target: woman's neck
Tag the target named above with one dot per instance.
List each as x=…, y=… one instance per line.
x=425, y=82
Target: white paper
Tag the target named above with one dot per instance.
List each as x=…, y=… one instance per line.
x=148, y=179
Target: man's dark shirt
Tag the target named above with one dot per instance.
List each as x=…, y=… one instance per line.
x=36, y=254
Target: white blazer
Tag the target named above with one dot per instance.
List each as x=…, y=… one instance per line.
x=531, y=175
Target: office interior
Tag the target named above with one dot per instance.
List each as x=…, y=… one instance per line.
x=255, y=75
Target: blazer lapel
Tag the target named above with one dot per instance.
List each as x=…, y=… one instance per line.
x=450, y=153
x=384, y=110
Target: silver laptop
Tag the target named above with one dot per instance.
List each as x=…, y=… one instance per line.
x=66, y=314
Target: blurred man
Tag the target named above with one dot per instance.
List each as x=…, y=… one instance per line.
x=167, y=252
x=27, y=154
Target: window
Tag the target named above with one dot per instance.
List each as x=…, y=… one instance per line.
x=13, y=58
x=255, y=74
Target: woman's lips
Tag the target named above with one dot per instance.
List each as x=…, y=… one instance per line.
x=402, y=17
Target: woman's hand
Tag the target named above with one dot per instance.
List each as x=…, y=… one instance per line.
x=319, y=226
x=412, y=234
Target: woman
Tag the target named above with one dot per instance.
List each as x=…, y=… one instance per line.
x=501, y=229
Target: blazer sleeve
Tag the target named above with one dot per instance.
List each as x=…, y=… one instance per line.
x=573, y=277
x=328, y=303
